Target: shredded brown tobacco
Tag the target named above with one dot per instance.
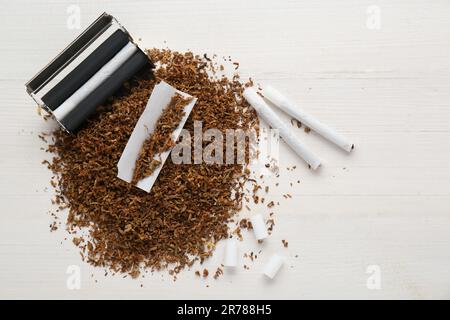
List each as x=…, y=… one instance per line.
x=161, y=138
x=189, y=206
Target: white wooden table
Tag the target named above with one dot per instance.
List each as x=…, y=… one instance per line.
x=384, y=209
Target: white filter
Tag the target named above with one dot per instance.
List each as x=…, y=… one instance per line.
x=278, y=99
x=259, y=227
x=273, y=266
x=286, y=132
x=231, y=253
x=100, y=76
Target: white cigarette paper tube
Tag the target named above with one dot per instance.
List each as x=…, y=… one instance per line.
x=273, y=266
x=231, y=253
x=259, y=227
x=286, y=132
x=295, y=111
x=90, y=85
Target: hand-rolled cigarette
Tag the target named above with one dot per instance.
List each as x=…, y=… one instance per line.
x=286, y=132
x=259, y=227
x=273, y=266
x=231, y=253
x=293, y=110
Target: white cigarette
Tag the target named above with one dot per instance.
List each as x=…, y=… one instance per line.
x=295, y=111
x=231, y=253
x=259, y=227
x=273, y=266
x=286, y=132
x=101, y=75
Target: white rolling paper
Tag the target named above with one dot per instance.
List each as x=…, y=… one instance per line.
x=259, y=227
x=273, y=266
x=231, y=253
x=295, y=111
x=159, y=99
x=286, y=132
x=123, y=55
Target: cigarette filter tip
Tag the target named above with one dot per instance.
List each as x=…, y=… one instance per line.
x=273, y=266
x=231, y=253
x=259, y=227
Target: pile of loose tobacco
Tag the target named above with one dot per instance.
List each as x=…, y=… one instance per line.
x=190, y=205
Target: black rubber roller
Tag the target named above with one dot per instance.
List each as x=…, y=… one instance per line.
x=46, y=74
x=85, y=70
x=88, y=106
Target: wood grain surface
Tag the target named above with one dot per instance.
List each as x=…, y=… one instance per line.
x=385, y=205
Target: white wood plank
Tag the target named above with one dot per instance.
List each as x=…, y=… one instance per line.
x=386, y=204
